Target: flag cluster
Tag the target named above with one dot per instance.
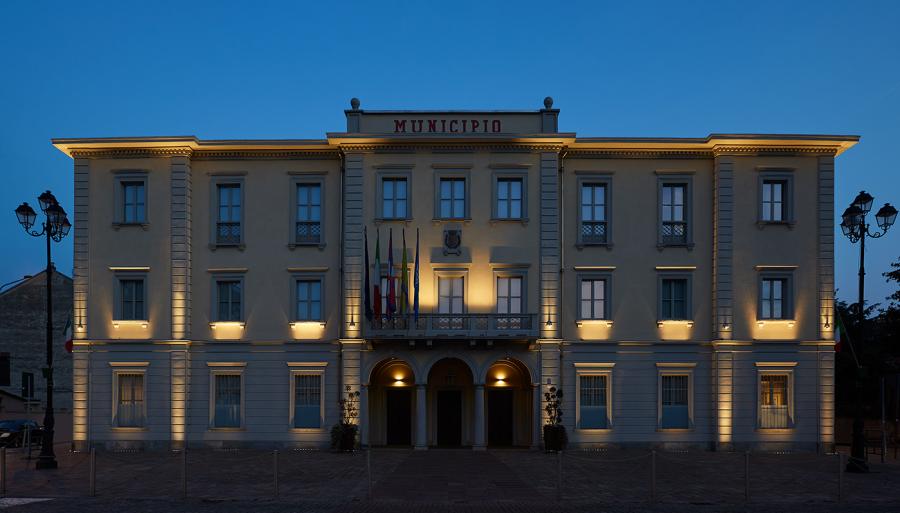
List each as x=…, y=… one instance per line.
x=396, y=297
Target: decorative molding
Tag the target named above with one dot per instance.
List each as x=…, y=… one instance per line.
x=100, y=153
x=594, y=267
x=638, y=153
x=395, y=148
x=776, y=364
x=226, y=364
x=307, y=364
x=670, y=365
x=307, y=269
x=775, y=150
x=129, y=364
x=266, y=155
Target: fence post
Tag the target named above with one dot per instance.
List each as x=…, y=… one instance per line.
x=653, y=476
x=2, y=471
x=747, y=476
x=559, y=476
x=840, y=477
x=184, y=472
x=275, y=469
x=93, y=471
x=369, y=470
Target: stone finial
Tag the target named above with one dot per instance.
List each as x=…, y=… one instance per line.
x=548, y=103
x=354, y=103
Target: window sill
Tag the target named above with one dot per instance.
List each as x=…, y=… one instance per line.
x=143, y=323
x=379, y=220
x=580, y=245
x=227, y=429
x=439, y=220
x=594, y=322
x=144, y=226
x=317, y=430
x=509, y=220
x=594, y=431
x=789, y=224
x=239, y=246
x=776, y=431
x=295, y=245
x=674, y=430
x=688, y=245
x=121, y=429
x=672, y=322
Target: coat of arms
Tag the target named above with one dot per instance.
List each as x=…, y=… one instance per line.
x=452, y=241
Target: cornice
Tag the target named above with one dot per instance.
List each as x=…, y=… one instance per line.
x=266, y=155
x=715, y=151
x=639, y=154
x=774, y=150
x=131, y=153
x=409, y=148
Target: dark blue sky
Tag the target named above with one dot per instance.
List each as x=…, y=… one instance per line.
x=262, y=69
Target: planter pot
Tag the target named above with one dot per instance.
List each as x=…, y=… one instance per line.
x=555, y=437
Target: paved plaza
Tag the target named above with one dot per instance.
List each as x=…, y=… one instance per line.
x=448, y=480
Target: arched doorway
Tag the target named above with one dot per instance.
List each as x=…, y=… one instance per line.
x=508, y=403
x=392, y=404
x=450, y=391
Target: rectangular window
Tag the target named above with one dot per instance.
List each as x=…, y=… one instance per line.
x=27, y=385
x=450, y=302
x=773, y=401
x=773, y=200
x=394, y=198
x=308, y=401
x=675, y=401
x=593, y=299
x=131, y=300
x=509, y=301
x=309, y=300
x=509, y=198
x=130, y=405
x=773, y=300
x=133, y=203
x=452, y=198
x=308, y=228
x=592, y=400
x=227, y=400
x=593, y=213
x=674, y=214
x=674, y=300
x=228, y=298
x=228, y=220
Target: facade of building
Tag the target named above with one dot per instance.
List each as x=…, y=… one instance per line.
x=23, y=345
x=679, y=291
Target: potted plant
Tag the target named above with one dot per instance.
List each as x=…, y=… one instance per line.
x=555, y=437
x=343, y=434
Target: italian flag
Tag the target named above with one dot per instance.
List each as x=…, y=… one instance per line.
x=67, y=332
x=839, y=334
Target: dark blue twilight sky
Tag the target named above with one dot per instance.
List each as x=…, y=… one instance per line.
x=287, y=70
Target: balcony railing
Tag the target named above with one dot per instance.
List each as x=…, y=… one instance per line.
x=228, y=233
x=308, y=232
x=593, y=232
x=500, y=326
x=674, y=232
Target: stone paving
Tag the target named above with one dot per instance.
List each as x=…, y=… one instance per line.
x=457, y=480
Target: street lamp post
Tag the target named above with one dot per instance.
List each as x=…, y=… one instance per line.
x=54, y=227
x=855, y=228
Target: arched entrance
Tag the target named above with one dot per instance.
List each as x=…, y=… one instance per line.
x=450, y=392
x=508, y=404
x=392, y=404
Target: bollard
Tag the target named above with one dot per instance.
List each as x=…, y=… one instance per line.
x=93, y=472
x=184, y=472
x=653, y=476
x=369, y=470
x=2, y=471
x=275, y=469
x=840, y=477
x=559, y=476
x=747, y=476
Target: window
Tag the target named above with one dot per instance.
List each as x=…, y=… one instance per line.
x=452, y=198
x=130, y=407
x=227, y=398
x=4, y=370
x=131, y=299
x=674, y=227
x=27, y=385
x=228, y=300
x=774, y=400
x=394, y=197
x=509, y=198
x=773, y=200
x=307, y=401
x=593, y=213
x=308, y=227
x=674, y=402
x=773, y=302
x=450, y=301
x=133, y=204
x=228, y=218
x=593, y=299
x=674, y=299
x=509, y=301
x=593, y=396
x=309, y=300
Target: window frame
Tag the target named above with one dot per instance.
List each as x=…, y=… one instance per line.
x=297, y=181
x=670, y=180
x=503, y=174
x=229, y=369
x=119, y=277
x=675, y=369
x=119, y=368
x=214, y=183
x=121, y=177
x=787, y=301
x=607, y=295
x=214, y=304
x=296, y=278
x=786, y=176
x=594, y=369
x=453, y=174
x=306, y=369
x=776, y=369
x=380, y=177
x=689, y=296
x=607, y=182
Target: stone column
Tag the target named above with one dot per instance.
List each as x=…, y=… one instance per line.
x=536, y=423
x=723, y=216
x=479, y=444
x=364, y=415
x=421, y=416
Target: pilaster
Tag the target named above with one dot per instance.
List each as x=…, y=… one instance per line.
x=80, y=398
x=81, y=257
x=180, y=249
x=825, y=250
x=549, y=244
x=179, y=377
x=723, y=388
x=723, y=234
x=825, y=359
x=353, y=242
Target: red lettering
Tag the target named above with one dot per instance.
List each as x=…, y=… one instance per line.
x=475, y=125
x=452, y=122
x=399, y=126
x=432, y=125
x=495, y=126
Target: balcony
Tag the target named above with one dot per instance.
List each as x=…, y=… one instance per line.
x=467, y=326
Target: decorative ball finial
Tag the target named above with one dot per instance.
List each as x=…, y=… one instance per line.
x=548, y=103
x=354, y=103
